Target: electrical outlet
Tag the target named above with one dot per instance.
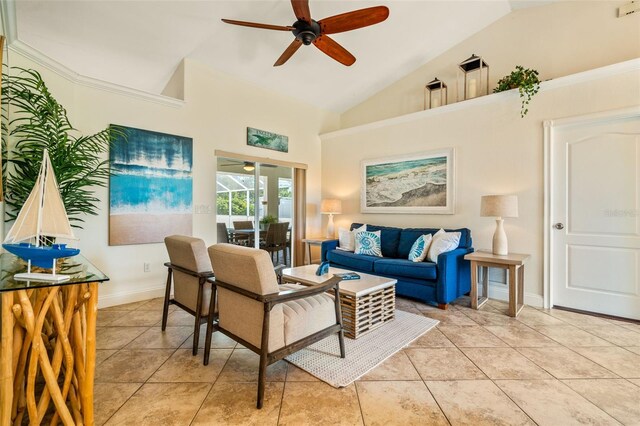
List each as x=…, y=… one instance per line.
x=147, y=266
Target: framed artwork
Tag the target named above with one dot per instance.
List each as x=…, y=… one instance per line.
x=150, y=187
x=416, y=183
x=268, y=140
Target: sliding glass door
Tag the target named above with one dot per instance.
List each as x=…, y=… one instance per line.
x=250, y=196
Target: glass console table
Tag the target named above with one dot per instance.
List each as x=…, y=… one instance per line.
x=48, y=336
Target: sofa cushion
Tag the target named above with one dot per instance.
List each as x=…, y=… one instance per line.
x=409, y=236
x=389, y=237
x=406, y=268
x=349, y=260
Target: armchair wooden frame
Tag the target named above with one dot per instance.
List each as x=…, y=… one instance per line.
x=203, y=277
x=270, y=300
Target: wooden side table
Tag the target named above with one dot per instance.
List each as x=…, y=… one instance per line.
x=512, y=262
x=314, y=242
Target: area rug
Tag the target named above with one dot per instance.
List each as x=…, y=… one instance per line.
x=322, y=359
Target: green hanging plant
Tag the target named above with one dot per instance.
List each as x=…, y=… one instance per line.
x=37, y=121
x=525, y=80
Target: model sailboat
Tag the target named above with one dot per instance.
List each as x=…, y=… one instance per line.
x=43, y=214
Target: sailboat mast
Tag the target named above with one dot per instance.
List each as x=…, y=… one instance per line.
x=44, y=169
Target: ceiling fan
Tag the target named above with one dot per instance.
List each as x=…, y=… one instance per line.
x=246, y=165
x=307, y=30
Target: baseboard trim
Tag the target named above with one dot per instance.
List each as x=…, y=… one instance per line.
x=597, y=314
x=109, y=300
x=501, y=292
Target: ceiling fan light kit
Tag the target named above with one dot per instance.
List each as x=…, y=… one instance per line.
x=309, y=31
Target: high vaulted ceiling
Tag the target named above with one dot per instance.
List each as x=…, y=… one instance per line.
x=139, y=44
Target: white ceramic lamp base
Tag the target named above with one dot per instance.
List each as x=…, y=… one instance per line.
x=500, y=246
x=331, y=231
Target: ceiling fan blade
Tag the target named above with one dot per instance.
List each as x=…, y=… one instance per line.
x=354, y=20
x=293, y=47
x=301, y=10
x=258, y=25
x=333, y=49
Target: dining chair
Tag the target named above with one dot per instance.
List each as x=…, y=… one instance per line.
x=272, y=321
x=243, y=239
x=222, y=232
x=276, y=240
x=191, y=272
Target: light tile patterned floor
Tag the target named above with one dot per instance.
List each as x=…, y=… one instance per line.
x=547, y=367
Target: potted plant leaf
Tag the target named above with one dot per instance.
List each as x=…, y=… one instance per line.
x=37, y=121
x=525, y=80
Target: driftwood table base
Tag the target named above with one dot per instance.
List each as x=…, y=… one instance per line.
x=47, y=356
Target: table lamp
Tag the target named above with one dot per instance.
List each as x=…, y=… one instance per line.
x=330, y=206
x=499, y=206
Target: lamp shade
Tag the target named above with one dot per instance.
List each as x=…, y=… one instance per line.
x=499, y=206
x=331, y=206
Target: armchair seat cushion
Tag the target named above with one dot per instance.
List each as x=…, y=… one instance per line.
x=347, y=259
x=304, y=317
x=406, y=268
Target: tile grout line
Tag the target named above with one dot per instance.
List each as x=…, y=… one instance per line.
x=151, y=375
x=492, y=380
x=552, y=375
x=427, y=386
x=284, y=388
x=355, y=387
x=559, y=343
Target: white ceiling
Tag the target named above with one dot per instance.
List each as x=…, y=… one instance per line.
x=139, y=44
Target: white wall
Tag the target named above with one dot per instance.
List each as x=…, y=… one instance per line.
x=216, y=112
x=496, y=152
x=559, y=39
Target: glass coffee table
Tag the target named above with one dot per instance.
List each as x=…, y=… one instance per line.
x=367, y=303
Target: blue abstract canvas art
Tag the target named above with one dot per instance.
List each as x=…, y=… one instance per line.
x=151, y=187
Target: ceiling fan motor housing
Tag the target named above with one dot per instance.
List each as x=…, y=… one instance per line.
x=306, y=32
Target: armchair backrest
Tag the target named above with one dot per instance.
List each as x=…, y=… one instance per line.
x=245, y=267
x=252, y=270
x=242, y=224
x=223, y=235
x=189, y=253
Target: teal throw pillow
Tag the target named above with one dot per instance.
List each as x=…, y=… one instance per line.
x=368, y=243
x=420, y=248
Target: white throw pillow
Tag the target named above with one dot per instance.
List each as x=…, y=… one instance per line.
x=443, y=242
x=420, y=248
x=347, y=239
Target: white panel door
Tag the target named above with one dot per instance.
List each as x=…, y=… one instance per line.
x=595, y=215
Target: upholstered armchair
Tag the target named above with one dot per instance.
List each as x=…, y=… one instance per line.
x=191, y=271
x=273, y=321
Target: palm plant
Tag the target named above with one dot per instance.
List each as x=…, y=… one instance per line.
x=37, y=121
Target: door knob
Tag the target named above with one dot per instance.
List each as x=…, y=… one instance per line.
x=559, y=225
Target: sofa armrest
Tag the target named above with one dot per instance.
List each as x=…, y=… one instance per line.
x=325, y=247
x=454, y=275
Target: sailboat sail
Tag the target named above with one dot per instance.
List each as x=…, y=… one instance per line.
x=43, y=213
x=54, y=216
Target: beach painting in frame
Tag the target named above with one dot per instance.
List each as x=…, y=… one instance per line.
x=150, y=188
x=416, y=183
x=268, y=140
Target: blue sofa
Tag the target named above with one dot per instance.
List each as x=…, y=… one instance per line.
x=426, y=281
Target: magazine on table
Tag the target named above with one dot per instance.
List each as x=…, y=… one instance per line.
x=348, y=276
